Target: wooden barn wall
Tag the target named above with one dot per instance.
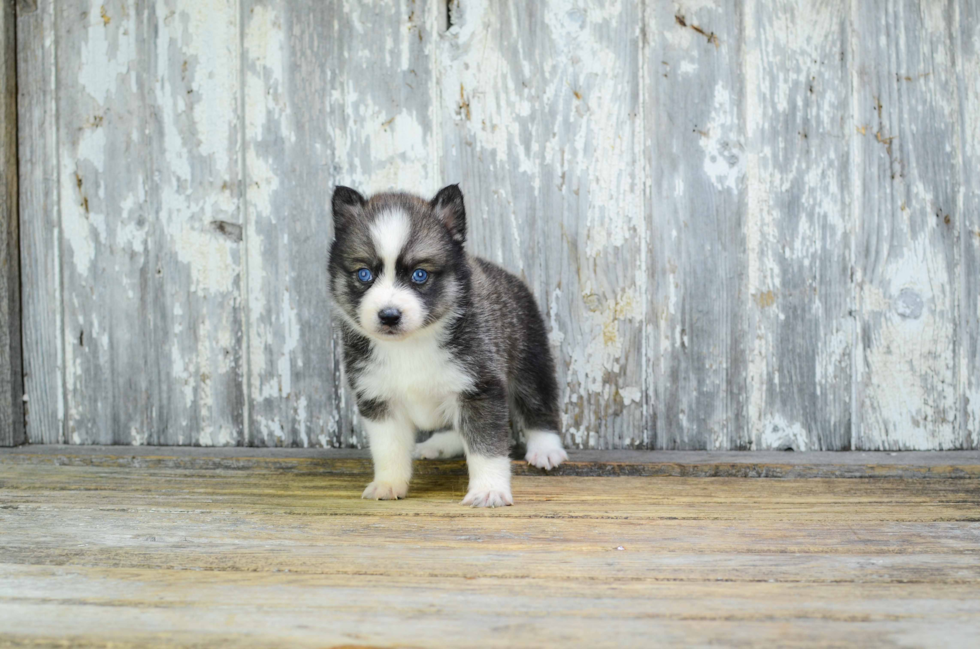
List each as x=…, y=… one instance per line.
x=750, y=224
x=11, y=370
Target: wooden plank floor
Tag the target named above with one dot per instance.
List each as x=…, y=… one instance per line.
x=99, y=552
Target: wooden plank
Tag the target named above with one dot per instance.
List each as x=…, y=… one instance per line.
x=133, y=608
x=696, y=206
x=149, y=154
x=598, y=561
x=719, y=464
x=540, y=115
x=541, y=550
x=40, y=225
x=11, y=377
x=966, y=25
x=269, y=492
x=37, y=534
x=333, y=95
x=797, y=232
x=905, y=202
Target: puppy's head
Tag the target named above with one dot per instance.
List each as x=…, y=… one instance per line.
x=397, y=261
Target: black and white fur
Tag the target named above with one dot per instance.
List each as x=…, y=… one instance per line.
x=463, y=352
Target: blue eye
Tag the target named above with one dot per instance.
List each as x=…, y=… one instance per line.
x=365, y=275
x=419, y=276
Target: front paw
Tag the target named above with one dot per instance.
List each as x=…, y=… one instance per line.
x=489, y=498
x=381, y=490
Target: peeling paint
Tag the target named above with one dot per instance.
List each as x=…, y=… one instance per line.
x=723, y=160
x=264, y=108
x=908, y=391
x=563, y=137
x=602, y=354
x=739, y=241
x=631, y=395
x=777, y=434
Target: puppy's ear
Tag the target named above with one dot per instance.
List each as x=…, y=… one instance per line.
x=448, y=206
x=347, y=206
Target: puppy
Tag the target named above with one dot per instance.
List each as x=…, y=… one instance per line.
x=438, y=340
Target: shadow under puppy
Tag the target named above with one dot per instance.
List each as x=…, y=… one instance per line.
x=437, y=339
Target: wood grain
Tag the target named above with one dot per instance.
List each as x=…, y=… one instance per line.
x=966, y=36
x=696, y=205
x=625, y=463
x=750, y=225
x=149, y=193
x=323, y=108
x=906, y=256
x=798, y=183
x=11, y=374
x=99, y=554
x=40, y=225
x=539, y=116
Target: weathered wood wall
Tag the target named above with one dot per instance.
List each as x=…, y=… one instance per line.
x=750, y=224
x=11, y=371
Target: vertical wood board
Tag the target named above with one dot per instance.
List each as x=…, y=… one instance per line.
x=40, y=225
x=798, y=235
x=694, y=142
x=11, y=374
x=540, y=122
x=966, y=35
x=906, y=177
x=148, y=127
x=335, y=93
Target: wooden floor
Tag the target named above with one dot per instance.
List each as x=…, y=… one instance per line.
x=134, y=552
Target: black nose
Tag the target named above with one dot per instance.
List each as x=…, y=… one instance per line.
x=389, y=316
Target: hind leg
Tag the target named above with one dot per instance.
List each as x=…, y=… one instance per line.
x=544, y=449
x=534, y=407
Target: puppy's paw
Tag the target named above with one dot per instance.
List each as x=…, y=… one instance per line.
x=544, y=450
x=422, y=452
x=380, y=490
x=490, y=498
x=546, y=460
x=440, y=445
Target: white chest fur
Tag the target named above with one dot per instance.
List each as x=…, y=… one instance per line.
x=417, y=379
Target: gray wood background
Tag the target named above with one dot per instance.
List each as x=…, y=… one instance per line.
x=11, y=372
x=751, y=224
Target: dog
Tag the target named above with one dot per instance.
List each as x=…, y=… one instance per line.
x=435, y=339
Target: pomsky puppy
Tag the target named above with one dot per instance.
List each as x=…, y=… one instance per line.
x=438, y=340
